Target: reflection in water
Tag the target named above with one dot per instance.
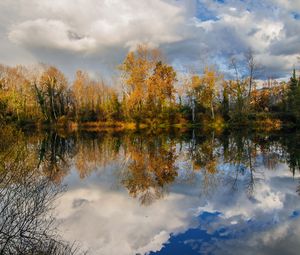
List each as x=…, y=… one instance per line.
x=55, y=153
x=26, y=198
x=151, y=167
x=180, y=193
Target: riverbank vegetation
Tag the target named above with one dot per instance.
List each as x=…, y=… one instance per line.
x=149, y=93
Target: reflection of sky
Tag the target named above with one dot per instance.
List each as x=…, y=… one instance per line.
x=190, y=219
x=247, y=237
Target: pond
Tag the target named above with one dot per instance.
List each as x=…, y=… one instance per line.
x=150, y=193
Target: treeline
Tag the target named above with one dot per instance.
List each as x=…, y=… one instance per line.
x=149, y=93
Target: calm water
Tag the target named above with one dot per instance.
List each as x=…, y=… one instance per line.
x=175, y=193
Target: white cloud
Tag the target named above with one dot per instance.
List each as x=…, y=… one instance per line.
x=90, y=26
x=291, y=5
x=96, y=35
x=50, y=33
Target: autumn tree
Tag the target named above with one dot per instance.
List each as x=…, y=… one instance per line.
x=78, y=91
x=112, y=106
x=252, y=68
x=52, y=94
x=160, y=95
x=17, y=97
x=148, y=84
x=94, y=100
x=204, y=92
x=238, y=94
x=225, y=104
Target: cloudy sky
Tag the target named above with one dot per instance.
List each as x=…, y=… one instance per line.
x=95, y=35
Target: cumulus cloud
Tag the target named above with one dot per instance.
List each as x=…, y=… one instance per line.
x=101, y=217
x=50, y=34
x=90, y=26
x=291, y=5
x=96, y=34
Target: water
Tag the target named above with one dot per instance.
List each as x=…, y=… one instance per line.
x=166, y=193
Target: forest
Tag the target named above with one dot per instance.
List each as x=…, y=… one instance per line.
x=148, y=93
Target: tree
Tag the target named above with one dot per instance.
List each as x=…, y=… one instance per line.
x=160, y=94
x=294, y=96
x=204, y=92
x=78, y=91
x=94, y=100
x=52, y=93
x=136, y=69
x=112, y=108
x=237, y=95
x=252, y=69
x=17, y=94
x=148, y=84
x=225, y=101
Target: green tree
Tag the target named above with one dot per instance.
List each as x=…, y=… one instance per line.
x=294, y=96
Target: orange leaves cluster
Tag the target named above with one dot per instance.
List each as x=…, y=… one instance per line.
x=148, y=82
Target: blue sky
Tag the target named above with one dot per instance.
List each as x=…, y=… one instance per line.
x=95, y=35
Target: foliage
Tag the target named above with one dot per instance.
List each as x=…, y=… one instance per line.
x=150, y=95
x=149, y=92
x=294, y=96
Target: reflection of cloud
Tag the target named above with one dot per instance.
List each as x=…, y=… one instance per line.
x=79, y=202
x=112, y=223
x=277, y=240
x=109, y=222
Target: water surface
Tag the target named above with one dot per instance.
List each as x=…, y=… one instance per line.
x=173, y=193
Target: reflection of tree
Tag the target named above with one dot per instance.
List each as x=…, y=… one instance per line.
x=24, y=225
x=204, y=154
x=96, y=150
x=54, y=154
x=151, y=160
x=25, y=200
x=241, y=153
x=14, y=149
x=291, y=145
x=89, y=151
x=151, y=167
x=272, y=152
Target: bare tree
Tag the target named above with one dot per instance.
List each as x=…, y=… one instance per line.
x=252, y=68
x=26, y=202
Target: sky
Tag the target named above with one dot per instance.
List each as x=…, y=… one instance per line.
x=96, y=35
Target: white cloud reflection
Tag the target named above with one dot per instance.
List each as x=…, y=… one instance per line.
x=103, y=218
